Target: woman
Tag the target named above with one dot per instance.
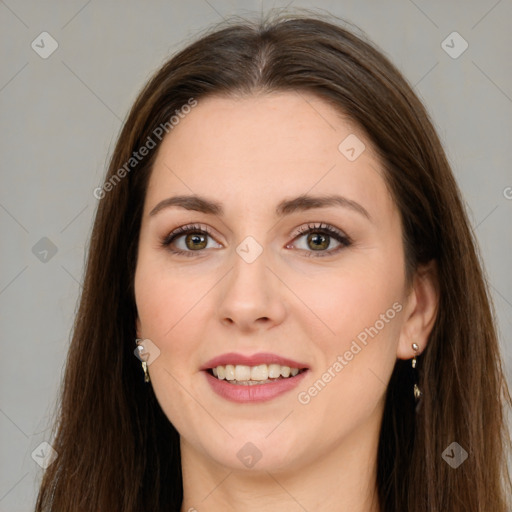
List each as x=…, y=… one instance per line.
x=281, y=241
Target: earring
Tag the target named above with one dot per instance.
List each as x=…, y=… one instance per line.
x=140, y=348
x=417, y=392
x=146, y=373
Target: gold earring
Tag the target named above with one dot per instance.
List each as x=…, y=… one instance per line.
x=146, y=373
x=417, y=392
x=140, y=348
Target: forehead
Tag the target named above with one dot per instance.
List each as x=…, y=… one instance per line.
x=251, y=152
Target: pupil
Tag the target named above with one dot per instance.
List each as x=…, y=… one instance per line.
x=319, y=241
x=197, y=241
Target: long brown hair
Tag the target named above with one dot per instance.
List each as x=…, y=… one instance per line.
x=116, y=448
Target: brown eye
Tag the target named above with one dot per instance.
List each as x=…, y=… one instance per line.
x=190, y=240
x=318, y=241
x=196, y=241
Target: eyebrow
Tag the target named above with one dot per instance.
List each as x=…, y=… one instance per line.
x=286, y=207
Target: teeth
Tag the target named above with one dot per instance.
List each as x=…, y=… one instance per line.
x=274, y=371
x=242, y=372
x=259, y=372
x=253, y=374
x=230, y=372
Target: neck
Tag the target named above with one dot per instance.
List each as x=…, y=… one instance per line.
x=341, y=479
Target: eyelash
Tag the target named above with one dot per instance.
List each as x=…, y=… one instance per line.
x=323, y=228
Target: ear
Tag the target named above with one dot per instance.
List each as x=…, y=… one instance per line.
x=420, y=311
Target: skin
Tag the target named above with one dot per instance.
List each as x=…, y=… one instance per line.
x=249, y=154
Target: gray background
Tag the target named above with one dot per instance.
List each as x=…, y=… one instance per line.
x=61, y=115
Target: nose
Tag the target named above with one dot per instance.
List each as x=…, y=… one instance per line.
x=251, y=297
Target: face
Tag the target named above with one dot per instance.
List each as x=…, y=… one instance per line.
x=262, y=281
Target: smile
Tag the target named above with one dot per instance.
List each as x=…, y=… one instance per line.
x=258, y=377
x=253, y=375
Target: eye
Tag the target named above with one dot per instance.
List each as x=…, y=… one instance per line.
x=319, y=237
x=193, y=238
x=190, y=239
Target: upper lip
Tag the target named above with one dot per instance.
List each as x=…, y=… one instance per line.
x=254, y=360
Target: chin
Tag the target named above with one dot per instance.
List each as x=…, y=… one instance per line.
x=254, y=453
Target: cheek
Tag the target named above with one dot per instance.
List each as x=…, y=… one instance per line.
x=360, y=312
x=169, y=308
x=167, y=304
x=355, y=365
x=353, y=298
x=165, y=296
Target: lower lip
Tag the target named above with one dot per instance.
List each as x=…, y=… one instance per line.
x=255, y=393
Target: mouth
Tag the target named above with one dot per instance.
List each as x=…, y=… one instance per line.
x=244, y=375
x=251, y=379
